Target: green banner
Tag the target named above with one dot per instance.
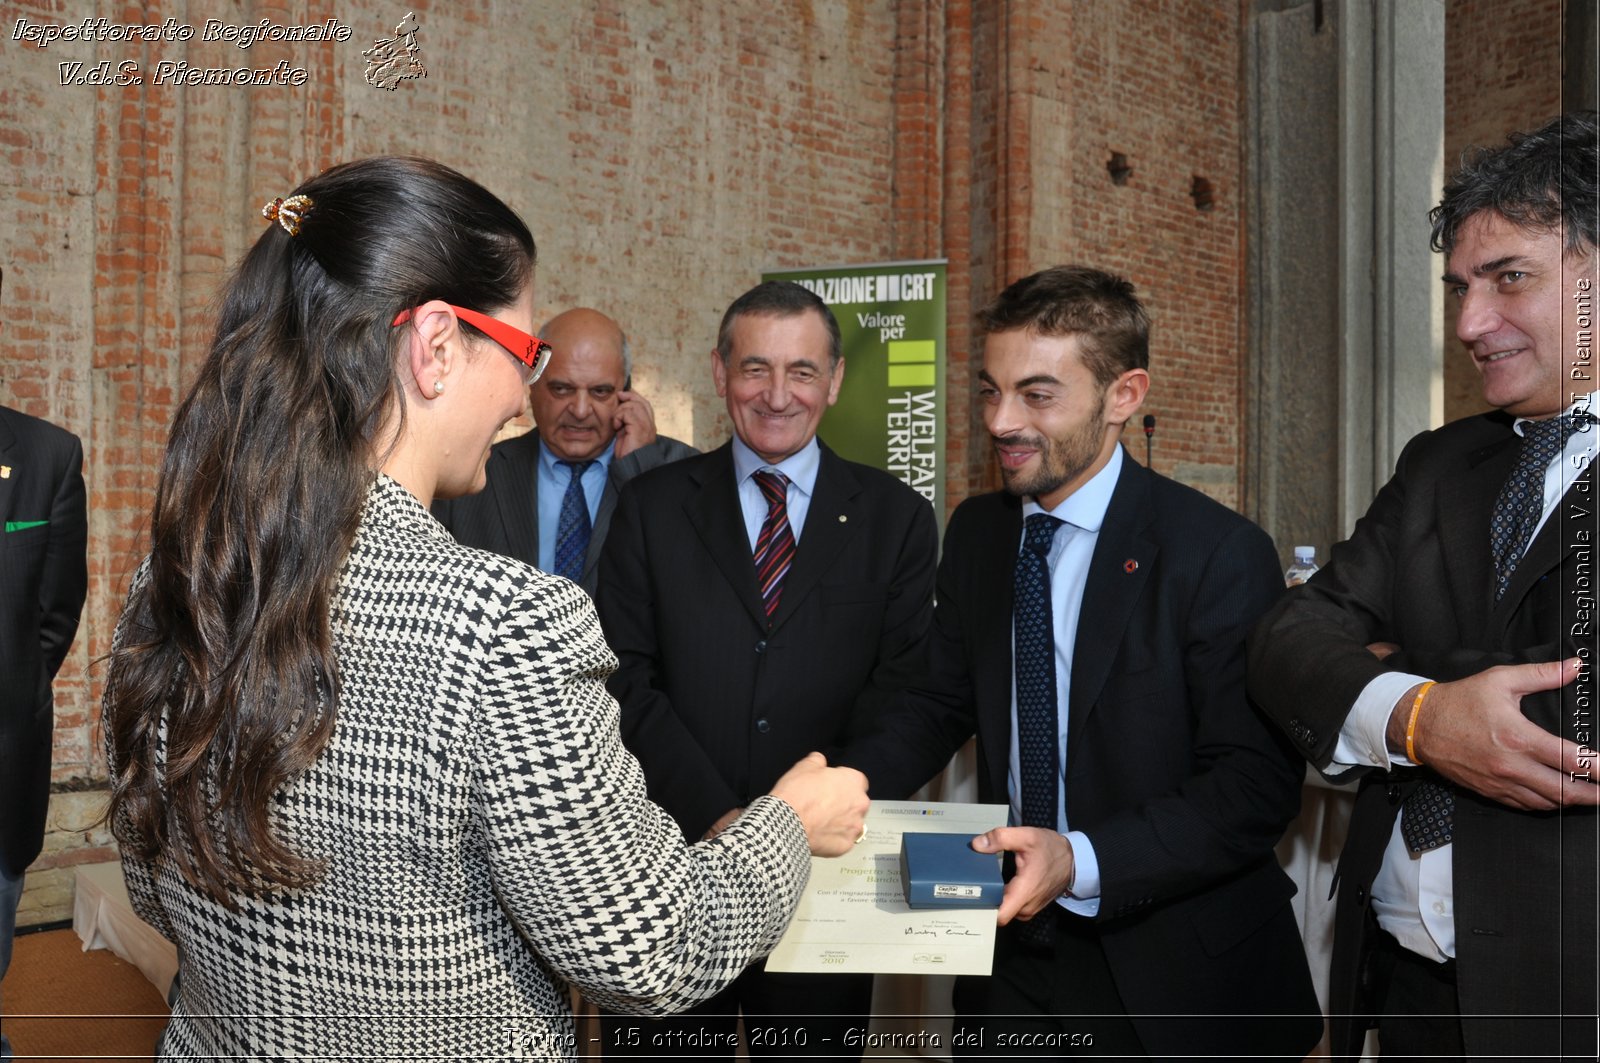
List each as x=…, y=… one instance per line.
x=890, y=412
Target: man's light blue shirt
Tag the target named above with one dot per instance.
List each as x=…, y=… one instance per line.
x=552, y=488
x=1082, y=514
x=801, y=469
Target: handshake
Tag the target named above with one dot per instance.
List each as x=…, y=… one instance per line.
x=831, y=803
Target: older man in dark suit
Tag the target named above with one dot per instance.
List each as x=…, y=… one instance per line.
x=43, y=580
x=1435, y=655
x=763, y=600
x=551, y=492
x=1090, y=630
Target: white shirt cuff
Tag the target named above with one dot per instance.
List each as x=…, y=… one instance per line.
x=1363, y=740
x=1085, y=896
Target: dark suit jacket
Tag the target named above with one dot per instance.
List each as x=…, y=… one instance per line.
x=43, y=580
x=1181, y=787
x=504, y=516
x=716, y=705
x=1417, y=572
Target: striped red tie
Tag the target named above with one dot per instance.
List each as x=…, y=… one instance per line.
x=775, y=545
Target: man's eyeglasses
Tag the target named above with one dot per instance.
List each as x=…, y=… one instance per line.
x=531, y=351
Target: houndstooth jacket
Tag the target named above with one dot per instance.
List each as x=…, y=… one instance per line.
x=486, y=836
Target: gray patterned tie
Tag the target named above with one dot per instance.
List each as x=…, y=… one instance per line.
x=1521, y=501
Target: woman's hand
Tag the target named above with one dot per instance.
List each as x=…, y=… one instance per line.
x=831, y=802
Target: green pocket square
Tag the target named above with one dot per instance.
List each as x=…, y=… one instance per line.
x=24, y=525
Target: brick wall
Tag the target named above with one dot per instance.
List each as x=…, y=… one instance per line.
x=1037, y=98
x=1087, y=81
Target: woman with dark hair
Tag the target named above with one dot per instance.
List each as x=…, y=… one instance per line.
x=370, y=780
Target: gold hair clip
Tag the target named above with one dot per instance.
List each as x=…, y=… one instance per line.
x=288, y=213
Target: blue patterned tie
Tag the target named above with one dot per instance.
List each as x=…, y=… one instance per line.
x=1038, y=749
x=1037, y=721
x=1428, y=819
x=572, y=530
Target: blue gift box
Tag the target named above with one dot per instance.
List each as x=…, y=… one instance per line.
x=943, y=871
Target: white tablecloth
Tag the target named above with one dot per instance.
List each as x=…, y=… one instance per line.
x=103, y=918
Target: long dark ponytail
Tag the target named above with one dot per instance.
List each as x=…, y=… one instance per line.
x=224, y=686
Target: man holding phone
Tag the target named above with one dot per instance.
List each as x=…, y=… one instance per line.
x=551, y=492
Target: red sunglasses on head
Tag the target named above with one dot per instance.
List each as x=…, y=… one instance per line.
x=531, y=351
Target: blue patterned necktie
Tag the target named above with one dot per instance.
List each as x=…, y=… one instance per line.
x=774, y=552
x=1033, y=629
x=1428, y=819
x=572, y=529
x=1038, y=726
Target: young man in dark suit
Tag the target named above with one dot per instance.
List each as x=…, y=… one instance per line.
x=43, y=580
x=1437, y=654
x=1090, y=631
x=550, y=493
x=763, y=600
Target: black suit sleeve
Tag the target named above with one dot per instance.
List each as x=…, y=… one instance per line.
x=1308, y=656
x=678, y=772
x=1309, y=660
x=665, y=449
x=66, y=575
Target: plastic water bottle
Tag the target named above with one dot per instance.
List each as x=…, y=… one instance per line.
x=1304, y=567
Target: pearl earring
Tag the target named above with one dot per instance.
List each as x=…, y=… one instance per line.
x=438, y=387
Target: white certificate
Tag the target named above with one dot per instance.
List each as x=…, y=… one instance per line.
x=853, y=918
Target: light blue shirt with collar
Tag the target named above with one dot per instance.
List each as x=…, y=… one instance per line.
x=801, y=469
x=1072, y=548
x=553, y=479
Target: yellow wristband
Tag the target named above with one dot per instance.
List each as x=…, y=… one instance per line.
x=1411, y=724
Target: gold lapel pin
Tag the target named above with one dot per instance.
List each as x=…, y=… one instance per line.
x=5, y=472
x=843, y=518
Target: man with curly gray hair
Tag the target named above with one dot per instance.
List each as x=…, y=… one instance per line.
x=1445, y=654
